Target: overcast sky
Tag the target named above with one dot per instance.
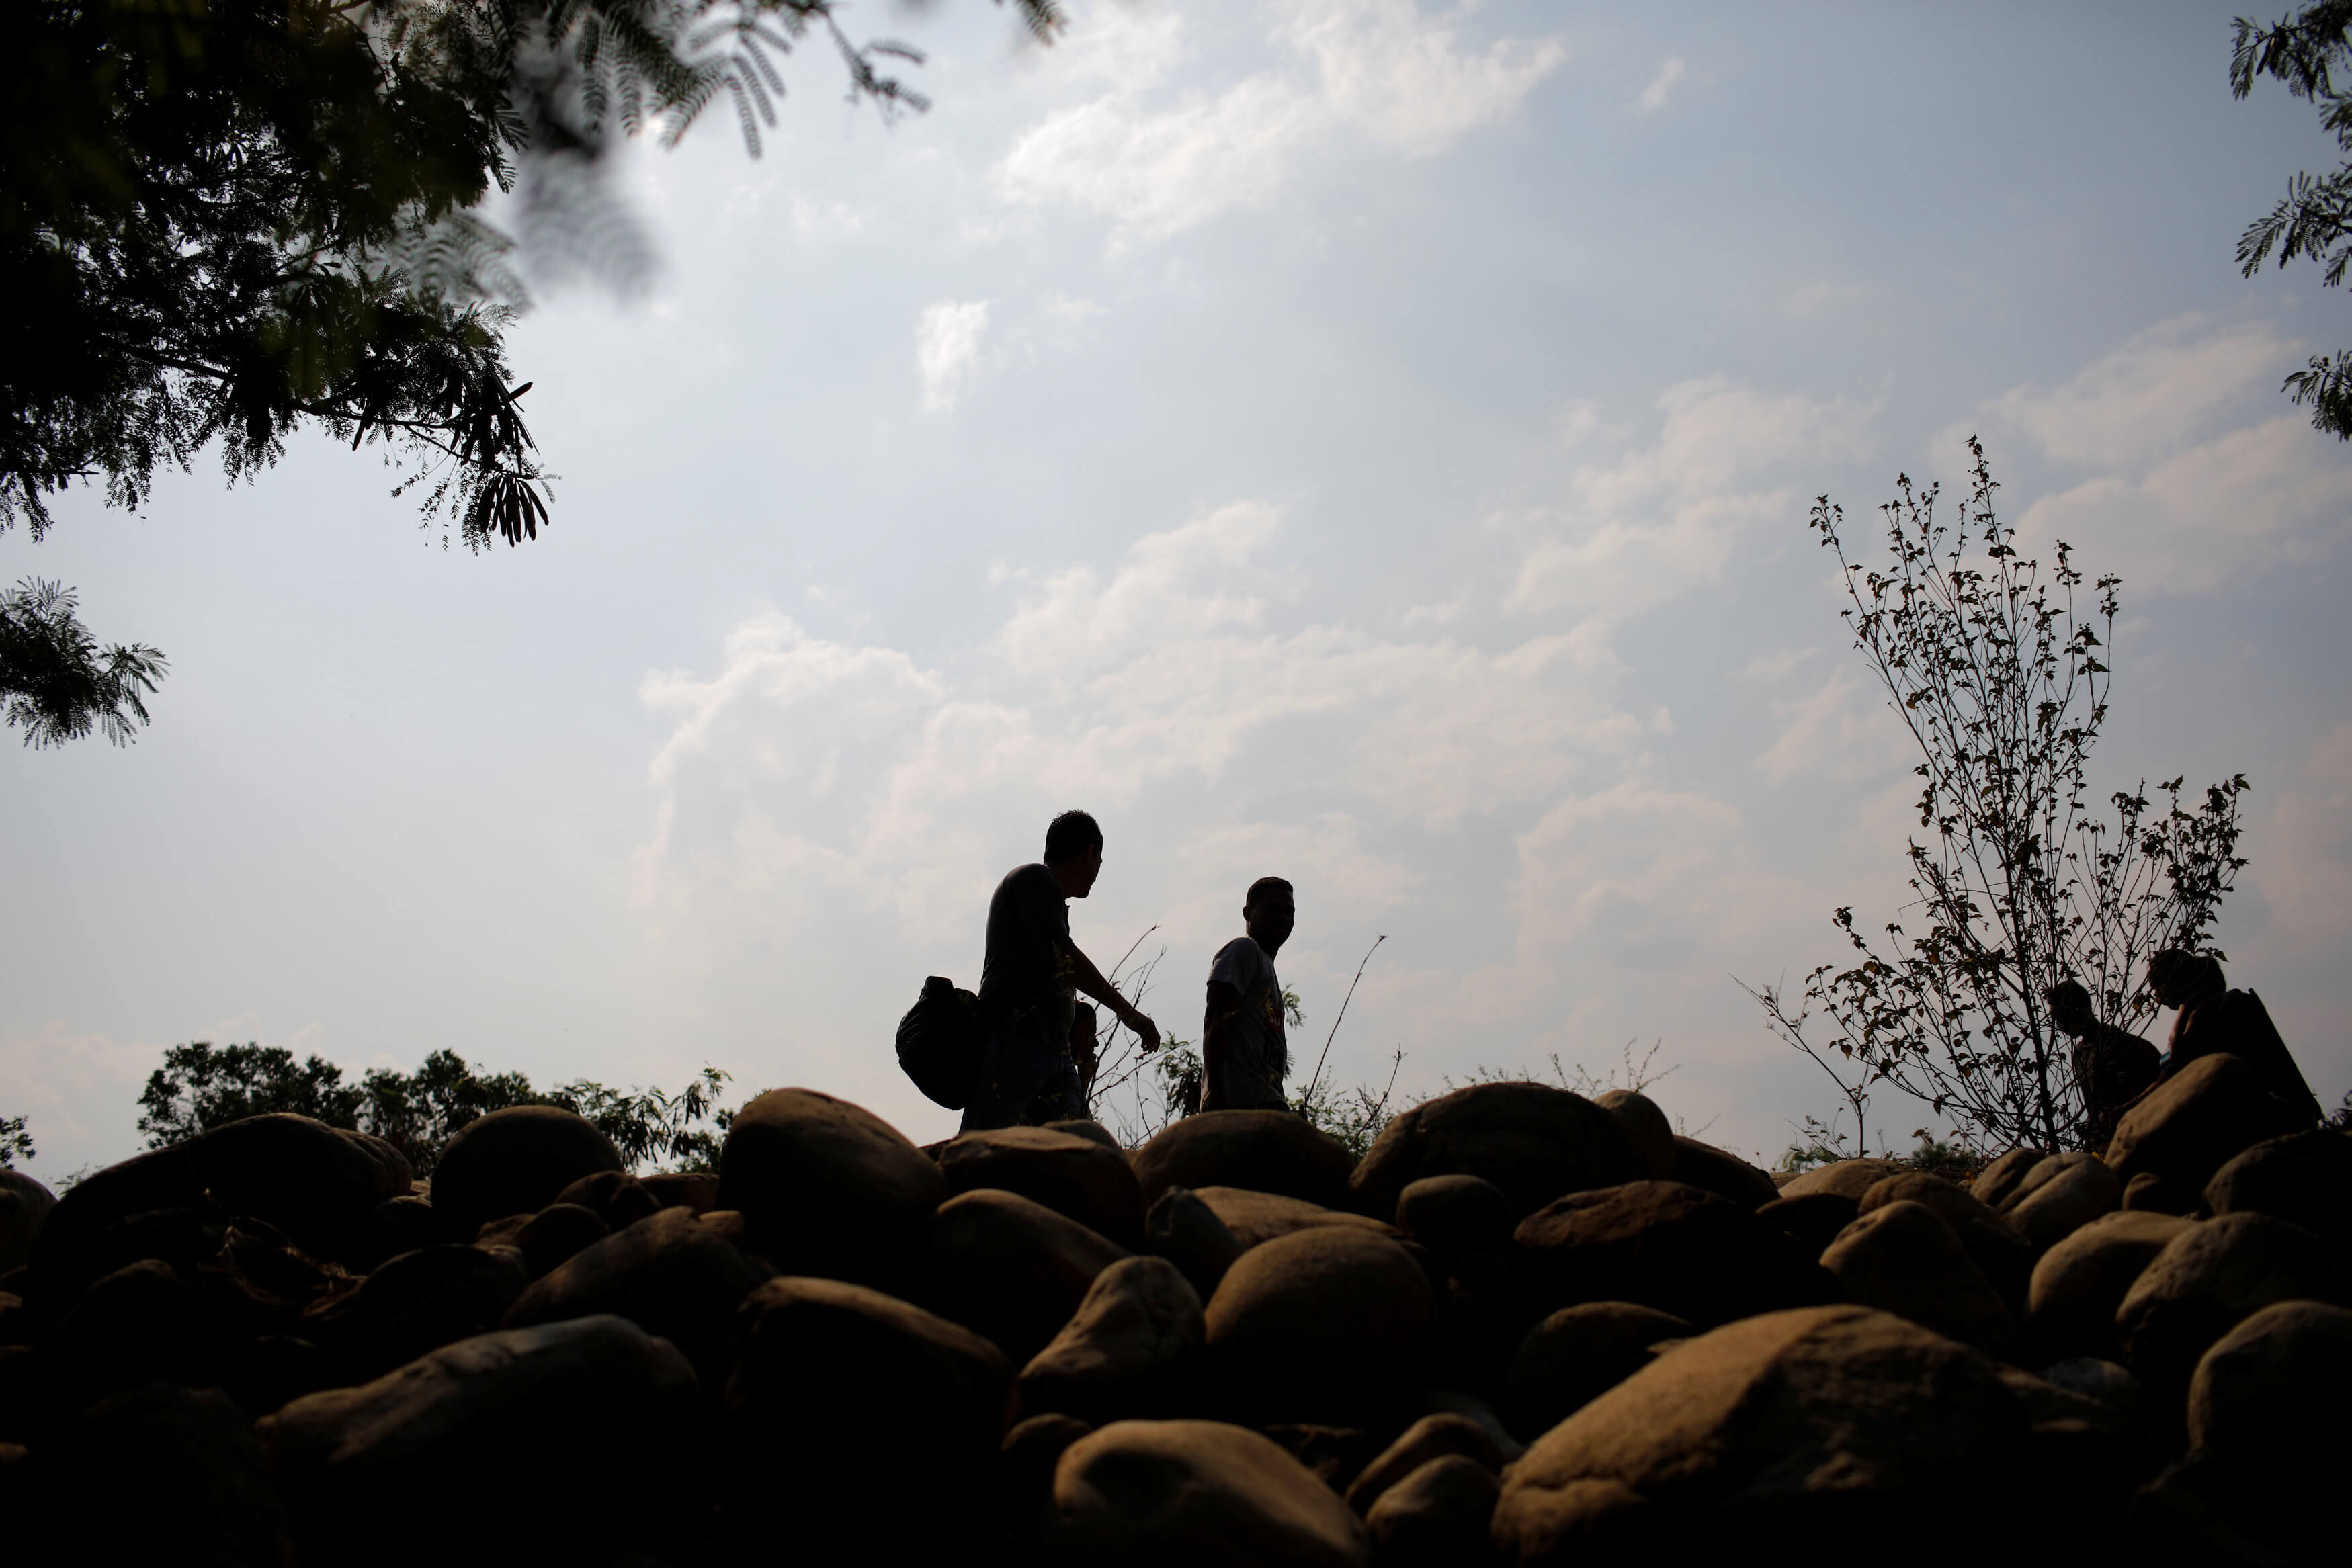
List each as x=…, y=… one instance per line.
x=1355, y=440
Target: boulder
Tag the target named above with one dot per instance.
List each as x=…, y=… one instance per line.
x=827, y=1187
x=515, y=1161
x=1814, y=1220
x=1129, y=1350
x=2060, y=1195
x=2212, y=1277
x=1902, y=1257
x=1025, y=1463
x=154, y=1474
x=2149, y=1193
x=848, y=1405
x=1331, y=1325
x=1451, y=1214
x=396, y=1226
x=2189, y=1126
x=1668, y=1246
x=1534, y=1142
x=551, y=1237
x=1081, y=1127
x=1335, y=1454
x=313, y=1182
x=696, y=1190
x=1009, y=1269
x=1579, y=1353
x=1646, y=1127
x=2112, y=1386
x=2255, y=1392
x=2303, y=1178
x=1070, y=1175
x=1440, y=1516
x=1264, y=1151
x=1431, y=1437
x=1824, y=1423
x=141, y=1323
x=416, y=1304
x=1254, y=1217
x=1999, y=1250
x=70, y=1253
x=1196, y=1494
x=669, y=1274
x=1187, y=1232
x=24, y=1205
x=1722, y=1173
x=484, y=1436
x=1850, y=1177
x=617, y=1197
x=2070, y=1307
x=1996, y=1181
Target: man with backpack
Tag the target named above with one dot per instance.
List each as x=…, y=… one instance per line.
x=1027, y=981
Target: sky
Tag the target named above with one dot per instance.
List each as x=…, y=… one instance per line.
x=1363, y=440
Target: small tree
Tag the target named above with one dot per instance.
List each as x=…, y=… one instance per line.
x=2020, y=884
x=55, y=683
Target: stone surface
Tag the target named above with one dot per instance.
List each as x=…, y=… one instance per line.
x=1196, y=1494
x=617, y=1197
x=313, y=1182
x=2188, y=1126
x=1440, y=1516
x=1431, y=1437
x=415, y=1304
x=1996, y=1181
x=1082, y=1127
x=1722, y=1173
x=476, y=1428
x=1009, y=1269
x=2149, y=1193
x=843, y=1399
x=1025, y=1463
x=2070, y=1307
x=1850, y=1177
x=2212, y=1277
x=696, y=1190
x=1264, y=1151
x=1999, y=1249
x=827, y=1187
x=556, y=1234
x=1451, y=1214
x=1646, y=1127
x=1902, y=1257
x=1186, y=1231
x=1130, y=1350
x=24, y=1206
x=1328, y=1324
x=2060, y=1195
x=1068, y=1173
x=1254, y=1217
x=2253, y=1398
x=1335, y=1455
x=153, y=1474
x=1579, y=1353
x=1795, y=1425
x=2303, y=1178
x=2110, y=1385
x=1534, y=1142
x=669, y=1274
x=1814, y=1220
x=1668, y=1246
x=515, y=1161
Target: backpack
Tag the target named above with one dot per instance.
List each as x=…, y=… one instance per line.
x=941, y=1043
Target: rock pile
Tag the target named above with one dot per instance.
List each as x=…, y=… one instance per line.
x=1526, y=1328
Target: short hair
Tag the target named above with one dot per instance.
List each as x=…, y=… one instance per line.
x=2200, y=969
x=1070, y=835
x=2069, y=993
x=1261, y=884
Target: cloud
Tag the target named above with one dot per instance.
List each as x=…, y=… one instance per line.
x=1382, y=72
x=947, y=349
x=2142, y=400
x=826, y=223
x=1653, y=97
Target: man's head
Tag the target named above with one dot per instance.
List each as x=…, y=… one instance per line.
x=1268, y=912
x=2178, y=977
x=1074, y=847
x=2070, y=1007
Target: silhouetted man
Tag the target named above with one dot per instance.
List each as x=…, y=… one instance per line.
x=2214, y=1021
x=2113, y=1066
x=1243, y=1053
x=1026, y=983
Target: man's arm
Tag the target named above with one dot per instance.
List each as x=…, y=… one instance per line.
x=1089, y=979
x=1216, y=1030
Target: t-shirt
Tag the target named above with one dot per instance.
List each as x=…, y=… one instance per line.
x=1028, y=957
x=1256, y=1054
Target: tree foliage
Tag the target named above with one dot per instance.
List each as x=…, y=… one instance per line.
x=55, y=683
x=15, y=1143
x=2314, y=219
x=202, y=1086
x=1995, y=671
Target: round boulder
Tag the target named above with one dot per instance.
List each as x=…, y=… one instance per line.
x=2070, y=1307
x=1264, y=1151
x=1196, y=1494
x=1850, y=1177
x=1451, y=1214
x=1579, y=1353
x=2000, y=1253
x=1902, y=1257
x=1722, y=1173
x=1534, y=1142
x=1009, y=1269
x=2303, y=1178
x=1069, y=1173
x=827, y=1187
x=2251, y=1399
x=1431, y=1437
x=1188, y=1233
x=1652, y=1137
x=1668, y=1246
x=2211, y=1278
x=515, y=1161
x=1996, y=1181
x=2060, y=1195
x=2192, y=1124
x=669, y=1274
x=1129, y=1350
x=24, y=1206
x=1326, y=1324
x=1254, y=1217
x=1440, y=1516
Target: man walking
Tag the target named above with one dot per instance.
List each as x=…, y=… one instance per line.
x=2113, y=1066
x=1243, y=1054
x=1026, y=983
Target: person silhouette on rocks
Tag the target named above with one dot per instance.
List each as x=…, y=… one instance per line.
x=1027, y=984
x=2214, y=1021
x=2113, y=1066
x=1243, y=1053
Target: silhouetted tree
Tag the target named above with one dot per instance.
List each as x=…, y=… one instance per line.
x=2314, y=218
x=15, y=1143
x=55, y=683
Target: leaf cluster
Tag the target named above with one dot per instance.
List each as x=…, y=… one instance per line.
x=15, y=1143
x=55, y=683
x=202, y=1086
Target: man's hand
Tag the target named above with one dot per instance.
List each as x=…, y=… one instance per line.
x=1145, y=1030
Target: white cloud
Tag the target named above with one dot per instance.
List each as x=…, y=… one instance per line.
x=826, y=223
x=947, y=349
x=2142, y=400
x=1381, y=71
x=1653, y=97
